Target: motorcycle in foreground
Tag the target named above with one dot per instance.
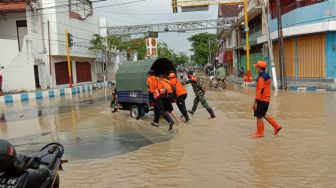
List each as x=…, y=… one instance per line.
x=18, y=170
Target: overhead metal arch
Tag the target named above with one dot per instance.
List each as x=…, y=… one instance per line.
x=225, y=23
x=195, y=3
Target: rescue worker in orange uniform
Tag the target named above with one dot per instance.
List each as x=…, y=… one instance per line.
x=162, y=95
x=262, y=100
x=152, y=83
x=180, y=93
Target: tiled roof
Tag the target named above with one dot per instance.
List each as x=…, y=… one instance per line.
x=16, y=7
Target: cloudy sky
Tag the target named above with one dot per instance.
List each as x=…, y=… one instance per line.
x=154, y=11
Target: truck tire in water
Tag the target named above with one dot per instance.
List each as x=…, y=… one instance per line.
x=135, y=111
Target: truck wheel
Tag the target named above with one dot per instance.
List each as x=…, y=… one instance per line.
x=113, y=106
x=135, y=111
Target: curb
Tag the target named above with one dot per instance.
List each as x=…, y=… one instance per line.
x=297, y=88
x=51, y=93
x=291, y=88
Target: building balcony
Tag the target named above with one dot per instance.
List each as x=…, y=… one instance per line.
x=321, y=12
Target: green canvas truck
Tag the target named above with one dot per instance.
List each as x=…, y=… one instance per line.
x=131, y=91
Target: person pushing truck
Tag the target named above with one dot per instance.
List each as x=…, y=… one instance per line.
x=199, y=92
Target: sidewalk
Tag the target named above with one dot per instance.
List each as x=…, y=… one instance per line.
x=50, y=93
x=297, y=84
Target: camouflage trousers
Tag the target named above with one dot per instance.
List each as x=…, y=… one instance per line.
x=200, y=98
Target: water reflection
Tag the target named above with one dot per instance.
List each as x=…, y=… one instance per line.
x=85, y=127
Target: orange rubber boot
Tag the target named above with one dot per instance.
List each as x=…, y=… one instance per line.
x=260, y=129
x=274, y=124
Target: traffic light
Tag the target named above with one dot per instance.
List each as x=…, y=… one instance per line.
x=70, y=40
x=174, y=5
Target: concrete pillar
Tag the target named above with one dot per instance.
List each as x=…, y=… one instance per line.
x=74, y=72
x=93, y=71
x=53, y=75
x=42, y=75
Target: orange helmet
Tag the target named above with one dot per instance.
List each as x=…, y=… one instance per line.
x=261, y=64
x=172, y=75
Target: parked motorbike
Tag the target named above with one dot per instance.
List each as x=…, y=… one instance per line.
x=18, y=170
x=215, y=83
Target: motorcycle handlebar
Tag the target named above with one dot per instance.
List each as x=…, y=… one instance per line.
x=57, y=144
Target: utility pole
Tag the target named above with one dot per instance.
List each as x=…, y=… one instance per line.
x=248, y=75
x=283, y=78
x=68, y=38
x=270, y=45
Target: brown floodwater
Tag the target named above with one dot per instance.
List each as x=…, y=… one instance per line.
x=113, y=150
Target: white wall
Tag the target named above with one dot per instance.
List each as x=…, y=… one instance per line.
x=9, y=47
x=82, y=30
x=19, y=67
x=8, y=51
x=230, y=40
x=19, y=74
x=8, y=25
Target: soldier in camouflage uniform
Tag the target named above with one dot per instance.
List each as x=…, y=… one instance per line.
x=199, y=92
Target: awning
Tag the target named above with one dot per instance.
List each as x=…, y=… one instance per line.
x=14, y=7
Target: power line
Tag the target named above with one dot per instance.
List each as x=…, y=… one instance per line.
x=34, y=38
x=105, y=6
x=138, y=14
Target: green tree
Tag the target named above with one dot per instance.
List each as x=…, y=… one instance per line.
x=139, y=46
x=180, y=58
x=98, y=43
x=107, y=45
x=200, y=47
x=164, y=51
x=177, y=58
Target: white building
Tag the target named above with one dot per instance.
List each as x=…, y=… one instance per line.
x=33, y=47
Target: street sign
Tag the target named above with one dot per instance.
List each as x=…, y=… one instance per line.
x=152, y=34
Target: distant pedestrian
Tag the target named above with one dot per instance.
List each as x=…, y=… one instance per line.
x=1, y=80
x=262, y=100
x=199, y=92
x=181, y=95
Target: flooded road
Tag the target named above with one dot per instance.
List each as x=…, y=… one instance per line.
x=112, y=150
x=85, y=125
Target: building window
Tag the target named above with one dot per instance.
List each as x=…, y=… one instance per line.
x=21, y=31
x=80, y=9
